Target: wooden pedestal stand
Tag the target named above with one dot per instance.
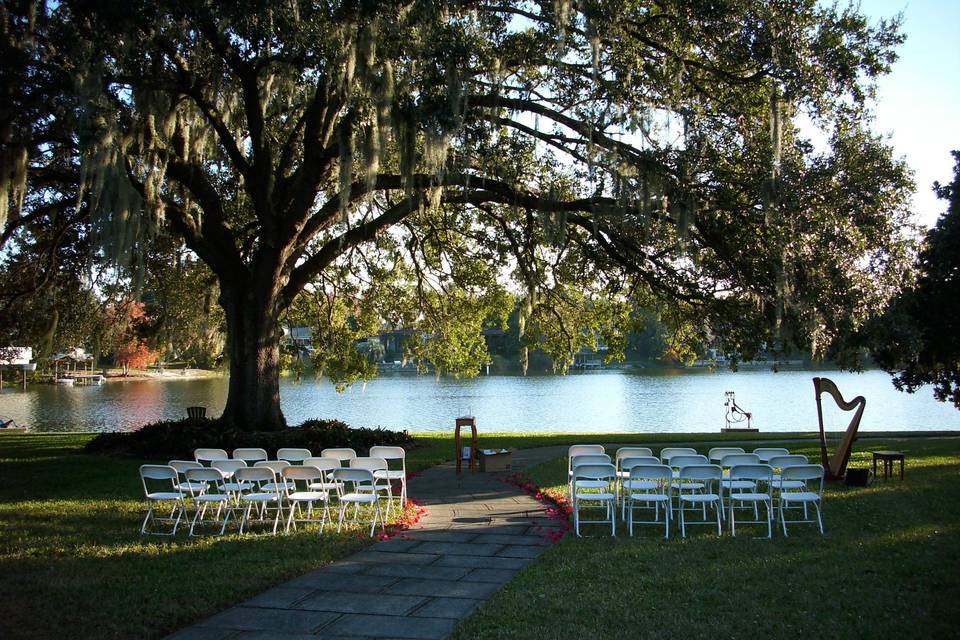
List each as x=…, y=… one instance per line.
x=466, y=421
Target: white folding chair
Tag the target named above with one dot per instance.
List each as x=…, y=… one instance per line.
x=208, y=456
x=678, y=460
x=344, y=455
x=383, y=485
x=593, y=488
x=184, y=485
x=667, y=452
x=779, y=463
x=735, y=484
x=250, y=455
x=393, y=475
x=649, y=484
x=765, y=453
x=755, y=475
x=582, y=450
x=629, y=452
x=716, y=454
x=263, y=492
x=293, y=456
x=625, y=484
x=228, y=483
x=299, y=479
x=584, y=458
x=161, y=474
x=327, y=466
x=211, y=479
x=708, y=476
x=358, y=487
x=804, y=473
x=278, y=466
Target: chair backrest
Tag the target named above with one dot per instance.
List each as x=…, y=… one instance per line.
x=804, y=472
x=766, y=453
x=361, y=480
x=228, y=467
x=157, y=472
x=585, y=449
x=203, y=480
x=632, y=452
x=324, y=464
x=732, y=459
x=627, y=464
x=256, y=475
x=588, y=458
x=250, y=454
x=306, y=473
x=792, y=460
x=684, y=459
x=754, y=471
x=716, y=453
x=651, y=471
x=594, y=472
x=209, y=455
x=373, y=464
x=277, y=465
x=388, y=453
x=701, y=472
x=668, y=452
x=293, y=456
x=342, y=454
x=182, y=466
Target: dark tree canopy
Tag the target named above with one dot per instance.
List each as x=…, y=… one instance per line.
x=424, y=164
x=918, y=338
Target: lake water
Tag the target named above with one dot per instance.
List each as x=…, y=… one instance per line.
x=634, y=401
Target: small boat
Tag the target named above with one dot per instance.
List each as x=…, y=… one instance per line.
x=66, y=381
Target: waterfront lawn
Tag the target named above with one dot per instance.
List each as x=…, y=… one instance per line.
x=887, y=567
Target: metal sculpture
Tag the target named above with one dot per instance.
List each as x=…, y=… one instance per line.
x=836, y=466
x=736, y=415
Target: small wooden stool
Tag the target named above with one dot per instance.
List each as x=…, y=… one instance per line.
x=888, y=458
x=466, y=421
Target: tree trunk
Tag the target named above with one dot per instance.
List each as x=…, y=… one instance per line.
x=253, y=346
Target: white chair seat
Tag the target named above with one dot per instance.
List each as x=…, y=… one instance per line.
x=276, y=486
x=187, y=487
x=752, y=497
x=393, y=474
x=307, y=496
x=595, y=496
x=236, y=486
x=165, y=495
x=700, y=497
x=800, y=496
x=649, y=497
x=788, y=484
x=362, y=498
x=211, y=497
x=259, y=497
x=687, y=486
x=592, y=484
x=323, y=486
x=642, y=485
x=738, y=484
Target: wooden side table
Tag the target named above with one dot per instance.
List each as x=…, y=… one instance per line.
x=466, y=421
x=888, y=458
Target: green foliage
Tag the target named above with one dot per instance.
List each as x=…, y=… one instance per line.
x=918, y=337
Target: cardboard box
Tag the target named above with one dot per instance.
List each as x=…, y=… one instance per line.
x=494, y=460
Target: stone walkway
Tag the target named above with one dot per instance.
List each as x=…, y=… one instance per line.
x=478, y=532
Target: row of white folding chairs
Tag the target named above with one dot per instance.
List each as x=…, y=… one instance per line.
x=231, y=485
x=296, y=456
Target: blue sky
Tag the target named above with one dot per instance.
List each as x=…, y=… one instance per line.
x=918, y=103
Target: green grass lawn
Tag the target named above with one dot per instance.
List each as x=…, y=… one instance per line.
x=72, y=563
x=887, y=567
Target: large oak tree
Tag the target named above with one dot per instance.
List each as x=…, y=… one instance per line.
x=416, y=161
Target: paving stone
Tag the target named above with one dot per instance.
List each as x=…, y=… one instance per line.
x=393, y=558
x=392, y=627
x=273, y=635
x=350, y=582
x=279, y=597
x=454, y=608
x=430, y=572
x=439, y=536
x=481, y=562
x=437, y=588
x=521, y=551
x=459, y=548
x=201, y=633
x=496, y=538
x=394, y=545
x=498, y=576
x=277, y=620
x=391, y=604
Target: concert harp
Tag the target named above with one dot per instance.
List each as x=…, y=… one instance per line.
x=836, y=466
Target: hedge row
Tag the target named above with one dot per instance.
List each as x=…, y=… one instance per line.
x=176, y=439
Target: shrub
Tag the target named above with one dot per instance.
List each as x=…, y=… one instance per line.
x=176, y=439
